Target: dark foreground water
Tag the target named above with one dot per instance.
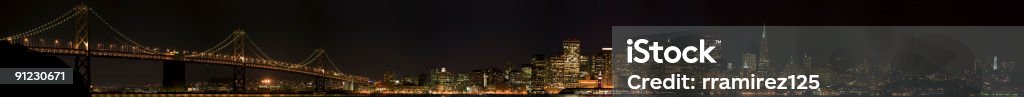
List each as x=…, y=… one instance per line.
x=337, y=95
x=358, y=95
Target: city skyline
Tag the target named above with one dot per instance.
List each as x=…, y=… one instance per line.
x=511, y=47
x=572, y=70
x=852, y=60
x=242, y=52
x=421, y=48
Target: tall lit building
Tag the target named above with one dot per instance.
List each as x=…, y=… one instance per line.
x=602, y=65
x=996, y=72
x=409, y=81
x=792, y=66
x=763, y=65
x=522, y=78
x=442, y=80
x=566, y=66
x=541, y=74
x=389, y=79
x=749, y=63
x=807, y=64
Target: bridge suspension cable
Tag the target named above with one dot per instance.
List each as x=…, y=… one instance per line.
x=239, y=41
x=320, y=58
x=46, y=26
x=237, y=36
x=222, y=44
x=121, y=36
x=76, y=12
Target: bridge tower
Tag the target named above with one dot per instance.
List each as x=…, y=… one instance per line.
x=174, y=76
x=320, y=82
x=322, y=62
x=83, y=63
x=238, y=75
x=242, y=56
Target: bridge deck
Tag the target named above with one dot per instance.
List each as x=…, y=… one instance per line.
x=211, y=59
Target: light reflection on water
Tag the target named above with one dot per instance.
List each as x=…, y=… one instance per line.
x=226, y=95
x=336, y=95
x=467, y=95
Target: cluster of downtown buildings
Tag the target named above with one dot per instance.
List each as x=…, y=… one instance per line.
x=543, y=75
x=843, y=72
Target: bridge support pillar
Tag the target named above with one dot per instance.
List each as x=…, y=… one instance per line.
x=174, y=76
x=348, y=85
x=83, y=66
x=321, y=84
x=239, y=80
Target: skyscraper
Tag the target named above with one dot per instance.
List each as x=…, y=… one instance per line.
x=749, y=64
x=602, y=65
x=566, y=66
x=389, y=79
x=763, y=66
x=541, y=74
x=442, y=80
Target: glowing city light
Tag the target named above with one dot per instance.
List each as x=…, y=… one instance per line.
x=266, y=81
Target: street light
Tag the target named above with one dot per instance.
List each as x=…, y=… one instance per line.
x=266, y=81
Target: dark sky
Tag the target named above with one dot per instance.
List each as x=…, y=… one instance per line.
x=368, y=37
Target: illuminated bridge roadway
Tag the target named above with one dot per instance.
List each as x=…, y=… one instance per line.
x=238, y=50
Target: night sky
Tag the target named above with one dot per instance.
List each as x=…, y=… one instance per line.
x=368, y=37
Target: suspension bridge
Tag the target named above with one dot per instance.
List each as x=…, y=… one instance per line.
x=238, y=51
